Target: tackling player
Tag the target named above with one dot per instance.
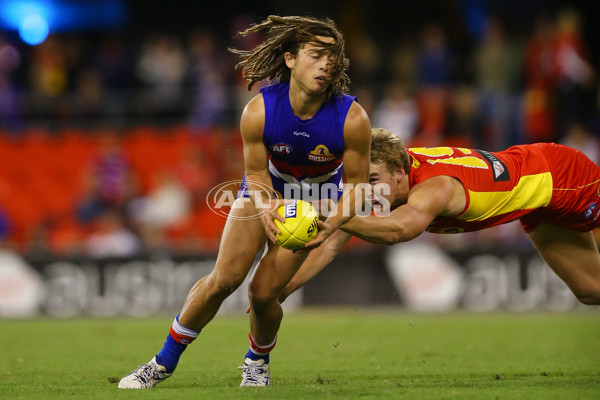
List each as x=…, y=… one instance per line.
x=297, y=132
x=552, y=189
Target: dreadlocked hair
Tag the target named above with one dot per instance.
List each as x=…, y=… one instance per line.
x=290, y=34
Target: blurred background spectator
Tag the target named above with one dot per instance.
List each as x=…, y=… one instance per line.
x=110, y=238
x=114, y=128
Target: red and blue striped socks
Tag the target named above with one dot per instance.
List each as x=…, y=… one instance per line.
x=258, y=351
x=177, y=340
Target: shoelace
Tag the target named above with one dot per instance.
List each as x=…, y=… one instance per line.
x=147, y=372
x=253, y=373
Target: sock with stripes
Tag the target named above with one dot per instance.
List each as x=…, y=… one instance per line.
x=177, y=340
x=257, y=351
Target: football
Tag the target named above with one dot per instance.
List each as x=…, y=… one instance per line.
x=300, y=224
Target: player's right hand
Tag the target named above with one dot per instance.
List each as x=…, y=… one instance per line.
x=268, y=211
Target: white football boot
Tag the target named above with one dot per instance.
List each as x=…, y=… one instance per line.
x=255, y=373
x=145, y=376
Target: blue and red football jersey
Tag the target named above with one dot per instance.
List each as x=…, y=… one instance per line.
x=304, y=154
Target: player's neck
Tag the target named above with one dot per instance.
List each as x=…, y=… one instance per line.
x=305, y=104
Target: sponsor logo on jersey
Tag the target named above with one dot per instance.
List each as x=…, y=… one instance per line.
x=321, y=154
x=290, y=210
x=590, y=210
x=281, y=148
x=304, y=134
x=500, y=171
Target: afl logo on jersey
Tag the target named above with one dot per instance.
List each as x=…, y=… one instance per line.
x=321, y=154
x=500, y=171
x=281, y=148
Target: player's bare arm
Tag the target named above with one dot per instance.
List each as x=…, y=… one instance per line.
x=316, y=261
x=440, y=195
x=256, y=164
x=357, y=137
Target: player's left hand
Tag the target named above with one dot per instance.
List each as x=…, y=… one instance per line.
x=325, y=230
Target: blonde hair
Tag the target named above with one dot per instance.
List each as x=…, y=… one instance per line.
x=388, y=149
x=290, y=34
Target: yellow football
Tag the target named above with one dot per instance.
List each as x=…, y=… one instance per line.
x=300, y=224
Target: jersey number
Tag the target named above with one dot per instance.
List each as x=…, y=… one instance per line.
x=465, y=160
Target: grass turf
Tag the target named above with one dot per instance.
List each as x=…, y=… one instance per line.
x=321, y=354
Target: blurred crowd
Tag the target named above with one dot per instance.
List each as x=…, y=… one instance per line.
x=151, y=126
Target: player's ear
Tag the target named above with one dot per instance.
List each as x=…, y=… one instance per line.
x=400, y=174
x=290, y=59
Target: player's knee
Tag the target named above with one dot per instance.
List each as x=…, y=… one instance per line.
x=224, y=284
x=262, y=297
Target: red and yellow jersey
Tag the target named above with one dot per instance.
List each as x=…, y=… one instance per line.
x=536, y=183
x=499, y=187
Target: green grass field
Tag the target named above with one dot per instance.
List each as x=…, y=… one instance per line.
x=321, y=354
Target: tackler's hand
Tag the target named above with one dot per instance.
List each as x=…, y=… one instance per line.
x=325, y=230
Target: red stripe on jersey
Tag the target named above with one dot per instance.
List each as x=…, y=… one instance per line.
x=180, y=338
x=302, y=171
